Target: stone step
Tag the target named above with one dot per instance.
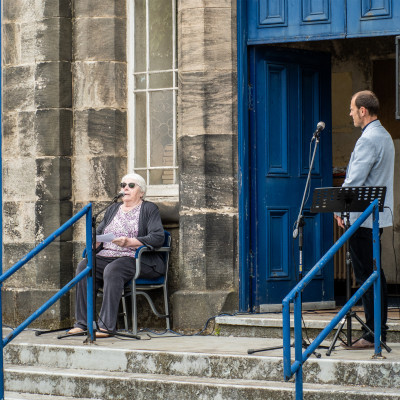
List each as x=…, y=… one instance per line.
x=342, y=368
x=270, y=324
x=31, y=396
x=116, y=386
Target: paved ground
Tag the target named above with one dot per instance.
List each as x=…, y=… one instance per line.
x=198, y=344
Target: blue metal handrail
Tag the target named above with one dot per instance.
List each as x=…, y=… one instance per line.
x=295, y=295
x=87, y=210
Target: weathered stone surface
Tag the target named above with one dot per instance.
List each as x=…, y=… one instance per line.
x=31, y=10
x=205, y=106
x=53, y=129
x=206, y=172
x=56, y=268
x=100, y=132
x=19, y=84
x=48, y=49
x=213, y=47
x=100, y=39
x=97, y=177
x=54, y=183
x=18, y=217
x=192, y=308
x=190, y=4
x=19, y=10
x=50, y=215
x=25, y=277
x=205, y=263
x=19, y=173
x=94, y=8
x=53, y=83
x=12, y=34
x=99, y=85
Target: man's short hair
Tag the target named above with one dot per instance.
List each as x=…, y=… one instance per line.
x=368, y=100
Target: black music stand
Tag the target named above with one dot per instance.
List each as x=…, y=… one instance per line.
x=345, y=200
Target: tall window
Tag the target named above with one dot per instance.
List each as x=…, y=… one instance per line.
x=152, y=70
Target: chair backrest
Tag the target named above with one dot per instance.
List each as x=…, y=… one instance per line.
x=165, y=254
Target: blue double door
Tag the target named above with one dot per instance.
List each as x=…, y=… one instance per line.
x=291, y=93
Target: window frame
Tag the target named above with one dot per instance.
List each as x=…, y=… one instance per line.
x=166, y=190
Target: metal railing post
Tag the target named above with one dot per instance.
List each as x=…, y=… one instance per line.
x=295, y=296
x=88, y=270
x=298, y=346
x=377, y=283
x=89, y=285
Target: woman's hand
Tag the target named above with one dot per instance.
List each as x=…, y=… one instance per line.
x=124, y=241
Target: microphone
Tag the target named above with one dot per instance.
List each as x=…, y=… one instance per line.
x=320, y=127
x=118, y=196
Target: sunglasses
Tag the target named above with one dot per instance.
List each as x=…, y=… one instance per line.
x=130, y=184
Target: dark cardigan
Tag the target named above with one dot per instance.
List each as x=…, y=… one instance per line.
x=151, y=232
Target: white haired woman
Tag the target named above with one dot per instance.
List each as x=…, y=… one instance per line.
x=134, y=223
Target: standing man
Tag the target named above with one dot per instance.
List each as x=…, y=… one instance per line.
x=371, y=164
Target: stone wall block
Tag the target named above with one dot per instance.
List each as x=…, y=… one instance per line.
x=19, y=173
x=53, y=131
x=206, y=172
x=50, y=215
x=94, y=8
x=17, y=218
x=99, y=85
x=191, y=52
x=190, y=4
x=19, y=85
x=53, y=83
x=53, y=178
x=220, y=260
x=205, y=107
x=192, y=253
x=56, y=8
x=31, y=10
x=100, y=132
x=55, y=268
x=28, y=42
x=12, y=44
x=10, y=134
x=19, y=10
x=97, y=178
x=27, y=137
x=100, y=39
x=25, y=277
x=48, y=49
x=212, y=48
x=27, y=302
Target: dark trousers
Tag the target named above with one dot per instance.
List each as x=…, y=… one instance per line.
x=360, y=245
x=111, y=274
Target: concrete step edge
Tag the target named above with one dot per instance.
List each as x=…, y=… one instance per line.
x=102, y=382
x=33, y=396
x=255, y=367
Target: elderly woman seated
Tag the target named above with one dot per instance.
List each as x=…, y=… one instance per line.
x=134, y=223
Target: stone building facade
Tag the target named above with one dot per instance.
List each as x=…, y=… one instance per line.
x=65, y=143
x=67, y=140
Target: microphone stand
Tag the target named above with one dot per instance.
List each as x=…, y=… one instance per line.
x=298, y=231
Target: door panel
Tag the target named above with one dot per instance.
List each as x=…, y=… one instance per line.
x=291, y=95
x=295, y=20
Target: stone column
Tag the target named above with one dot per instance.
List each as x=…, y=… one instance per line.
x=207, y=138
x=37, y=121
x=99, y=103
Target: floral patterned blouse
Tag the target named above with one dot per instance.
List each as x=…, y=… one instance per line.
x=125, y=223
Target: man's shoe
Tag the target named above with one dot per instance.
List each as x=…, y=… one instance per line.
x=361, y=344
